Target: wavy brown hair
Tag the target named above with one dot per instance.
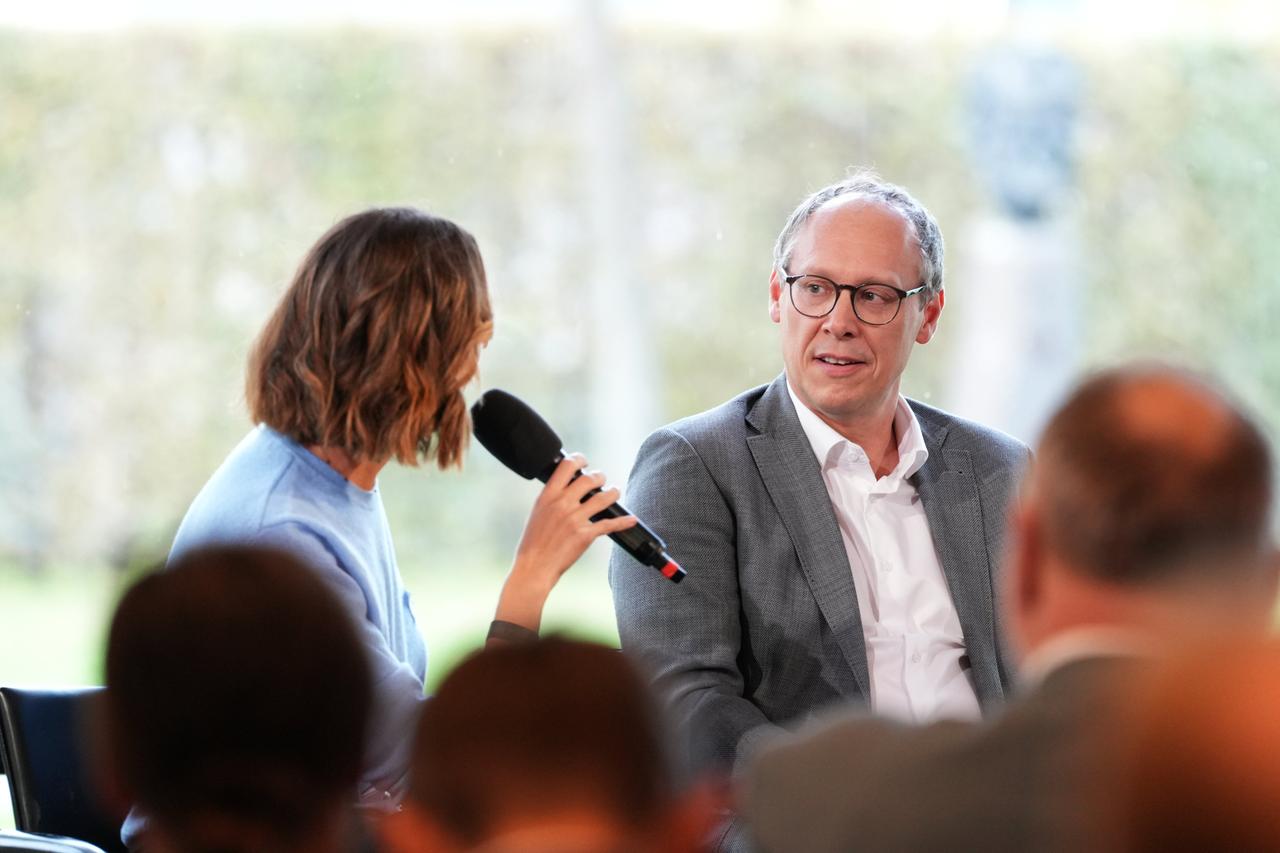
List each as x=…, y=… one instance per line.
x=373, y=341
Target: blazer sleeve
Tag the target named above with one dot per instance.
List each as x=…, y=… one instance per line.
x=687, y=635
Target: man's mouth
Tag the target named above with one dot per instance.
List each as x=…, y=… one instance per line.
x=839, y=362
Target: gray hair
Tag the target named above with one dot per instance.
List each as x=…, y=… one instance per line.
x=873, y=188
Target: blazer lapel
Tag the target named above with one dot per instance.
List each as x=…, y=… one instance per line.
x=793, y=478
x=947, y=488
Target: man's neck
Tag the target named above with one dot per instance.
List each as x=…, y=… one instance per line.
x=1082, y=642
x=876, y=435
x=884, y=459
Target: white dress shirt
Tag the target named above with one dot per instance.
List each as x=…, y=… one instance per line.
x=915, y=647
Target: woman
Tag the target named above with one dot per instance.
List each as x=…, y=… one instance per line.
x=364, y=361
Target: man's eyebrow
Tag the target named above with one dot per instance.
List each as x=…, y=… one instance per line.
x=889, y=280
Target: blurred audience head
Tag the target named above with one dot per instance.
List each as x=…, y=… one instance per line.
x=1148, y=504
x=237, y=698
x=553, y=745
x=374, y=340
x=1205, y=757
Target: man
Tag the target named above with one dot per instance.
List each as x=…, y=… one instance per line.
x=839, y=538
x=232, y=728
x=1145, y=524
x=1203, y=770
x=547, y=745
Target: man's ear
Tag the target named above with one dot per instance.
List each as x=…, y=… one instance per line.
x=413, y=831
x=1024, y=567
x=1026, y=555
x=775, y=295
x=932, y=310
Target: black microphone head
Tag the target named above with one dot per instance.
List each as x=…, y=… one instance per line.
x=515, y=433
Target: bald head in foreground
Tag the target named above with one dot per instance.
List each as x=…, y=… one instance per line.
x=1143, y=526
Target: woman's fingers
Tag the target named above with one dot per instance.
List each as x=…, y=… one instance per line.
x=565, y=470
x=570, y=498
x=599, y=502
x=605, y=526
x=578, y=489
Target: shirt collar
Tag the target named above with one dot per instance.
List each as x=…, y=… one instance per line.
x=1091, y=641
x=828, y=444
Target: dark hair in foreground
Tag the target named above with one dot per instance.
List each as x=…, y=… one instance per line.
x=237, y=698
x=1148, y=472
x=375, y=338
x=526, y=730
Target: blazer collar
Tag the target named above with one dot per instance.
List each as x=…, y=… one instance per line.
x=793, y=478
x=948, y=488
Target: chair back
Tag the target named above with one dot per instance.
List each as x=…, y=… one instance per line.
x=22, y=842
x=42, y=742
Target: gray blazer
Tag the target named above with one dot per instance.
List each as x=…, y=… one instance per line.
x=765, y=630
x=1037, y=777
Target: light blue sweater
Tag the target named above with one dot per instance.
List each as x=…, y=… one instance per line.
x=272, y=491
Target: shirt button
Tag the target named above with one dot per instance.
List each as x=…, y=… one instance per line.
x=915, y=658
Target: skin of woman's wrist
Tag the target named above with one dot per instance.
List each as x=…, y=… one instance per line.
x=523, y=595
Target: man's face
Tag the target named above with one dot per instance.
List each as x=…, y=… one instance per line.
x=843, y=369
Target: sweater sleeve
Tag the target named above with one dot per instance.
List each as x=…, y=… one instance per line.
x=509, y=633
x=397, y=689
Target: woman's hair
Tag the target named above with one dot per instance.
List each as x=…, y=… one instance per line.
x=373, y=341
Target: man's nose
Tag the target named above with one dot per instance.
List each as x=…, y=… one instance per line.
x=843, y=320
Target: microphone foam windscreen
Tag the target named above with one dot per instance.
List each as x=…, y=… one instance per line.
x=514, y=433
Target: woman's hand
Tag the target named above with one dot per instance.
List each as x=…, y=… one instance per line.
x=559, y=529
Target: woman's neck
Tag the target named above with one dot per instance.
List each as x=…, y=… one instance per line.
x=359, y=472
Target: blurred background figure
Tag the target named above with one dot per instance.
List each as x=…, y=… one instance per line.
x=1144, y=525
x=1205, y=772
x=238, y=694
x=548, y=746
x=1021, y=250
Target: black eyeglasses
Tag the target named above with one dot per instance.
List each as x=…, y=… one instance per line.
x=873, y=304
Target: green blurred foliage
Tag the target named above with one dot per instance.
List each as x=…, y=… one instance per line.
x=1181, y=196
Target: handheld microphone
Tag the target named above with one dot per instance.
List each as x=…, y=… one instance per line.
x=525, y=443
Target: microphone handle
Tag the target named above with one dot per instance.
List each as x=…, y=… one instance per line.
x=638, y=541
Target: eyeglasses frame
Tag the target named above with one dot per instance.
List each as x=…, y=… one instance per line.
x=853, y=294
